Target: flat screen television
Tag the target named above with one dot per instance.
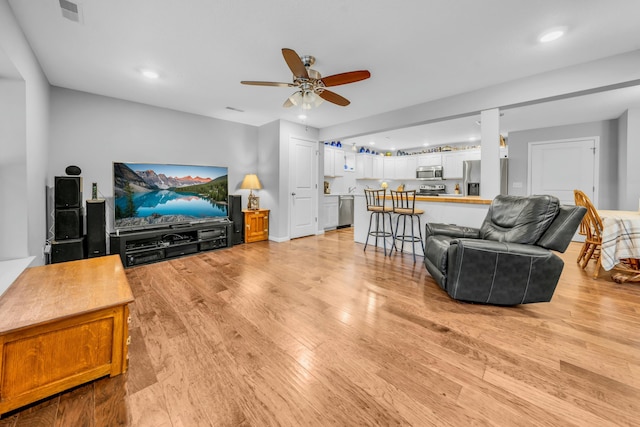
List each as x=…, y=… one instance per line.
x=153, y=195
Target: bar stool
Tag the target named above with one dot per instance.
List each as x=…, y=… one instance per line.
x=404, y=206
x=376, y=205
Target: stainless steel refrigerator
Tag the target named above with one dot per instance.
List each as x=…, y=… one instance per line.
x=471, y=177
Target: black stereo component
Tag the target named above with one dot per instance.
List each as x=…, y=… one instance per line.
x=73, y=170
x=214, y=244
x=96, y=228
x=179, y=250
x=68, y=224
x=211, y=234
x=67, y=250
x=68, y=192
x=175, y=238
x=144, y=257
x=235, y=215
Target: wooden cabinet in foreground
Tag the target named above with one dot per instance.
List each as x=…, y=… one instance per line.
x=62, y=325
x=256, y=225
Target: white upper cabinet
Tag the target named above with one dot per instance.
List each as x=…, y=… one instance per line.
x=434, y=159
x=406, y=167
x=334, y=161
x=452, y=162
x=378, y=168
x=389, y=167
x=364, y=166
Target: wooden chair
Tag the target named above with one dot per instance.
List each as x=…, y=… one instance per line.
x=591, y=227
x=376, y=205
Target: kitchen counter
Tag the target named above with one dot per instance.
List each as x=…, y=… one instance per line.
x=467, y=211
x=447, y=198
x=454, y=198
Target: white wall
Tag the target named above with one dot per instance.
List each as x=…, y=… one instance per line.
x=628, y=155
x=13, y=175
x=93, y=131
x=606, y=130
x=36, y=124
x=269, y=173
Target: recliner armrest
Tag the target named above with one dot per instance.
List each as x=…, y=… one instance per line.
x=502, y=247
x=451, y=230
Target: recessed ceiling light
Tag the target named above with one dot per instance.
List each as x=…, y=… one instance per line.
x=552, y=34
x=426, y=144
x=302, y=117
x=150, y=74
x=472, y=138
x=372, y=143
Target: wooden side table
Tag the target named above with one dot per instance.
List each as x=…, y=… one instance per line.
x=256, y=225
x=62, y=325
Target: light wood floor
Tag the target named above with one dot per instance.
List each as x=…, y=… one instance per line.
x=317, y=332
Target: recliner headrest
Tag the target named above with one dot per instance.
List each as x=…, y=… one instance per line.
x=518, y=219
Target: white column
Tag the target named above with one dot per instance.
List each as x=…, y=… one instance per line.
x=490, y=153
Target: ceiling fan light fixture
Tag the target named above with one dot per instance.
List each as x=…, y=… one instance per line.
x=310, y=100
x=307, y=99
x=296, y=98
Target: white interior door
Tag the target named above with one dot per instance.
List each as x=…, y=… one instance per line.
x=559, y=167
x=303, y=187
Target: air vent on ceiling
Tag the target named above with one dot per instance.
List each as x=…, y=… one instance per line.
x=235, y=109
x=71, y=11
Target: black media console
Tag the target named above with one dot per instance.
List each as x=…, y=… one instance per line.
x=145, y=246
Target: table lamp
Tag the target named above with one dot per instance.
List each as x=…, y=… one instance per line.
x=251, y=182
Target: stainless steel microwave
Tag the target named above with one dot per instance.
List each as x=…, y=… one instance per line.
x=432, y=173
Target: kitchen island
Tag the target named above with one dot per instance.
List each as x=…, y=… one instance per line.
x=461, y=210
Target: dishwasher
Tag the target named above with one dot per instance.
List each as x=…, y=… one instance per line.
x=345, y=211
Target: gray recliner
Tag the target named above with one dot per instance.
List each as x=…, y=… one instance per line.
x=509, y=259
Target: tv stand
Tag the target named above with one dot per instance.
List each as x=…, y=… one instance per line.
x=146, y=246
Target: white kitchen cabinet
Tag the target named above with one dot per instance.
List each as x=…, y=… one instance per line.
x=452, y=164
x=472, y=155
x=364, y=166
x=406, y=167
x=378, y=168
x=330, y=212
x=334, y=161
x=389, y=167
x=369, y=166
x=434, y=159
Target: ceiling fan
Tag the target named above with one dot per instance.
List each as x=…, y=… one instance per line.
x=310, y=84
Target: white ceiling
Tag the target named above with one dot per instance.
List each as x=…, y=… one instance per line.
x=587, y=108
x=416, y=51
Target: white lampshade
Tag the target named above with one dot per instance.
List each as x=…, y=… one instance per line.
x=307, y=99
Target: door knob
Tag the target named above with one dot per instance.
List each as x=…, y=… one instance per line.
x=293, y=194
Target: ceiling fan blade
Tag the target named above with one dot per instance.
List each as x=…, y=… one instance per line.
x=249, y=82
x=344, y=78
x=295, y=64
x=327, y=95
x=288, y=103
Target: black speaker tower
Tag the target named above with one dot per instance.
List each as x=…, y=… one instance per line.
x=69, y=241
x=235, y=215
x=96, y=228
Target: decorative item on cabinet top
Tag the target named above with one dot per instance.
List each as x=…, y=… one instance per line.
x=251, y=182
